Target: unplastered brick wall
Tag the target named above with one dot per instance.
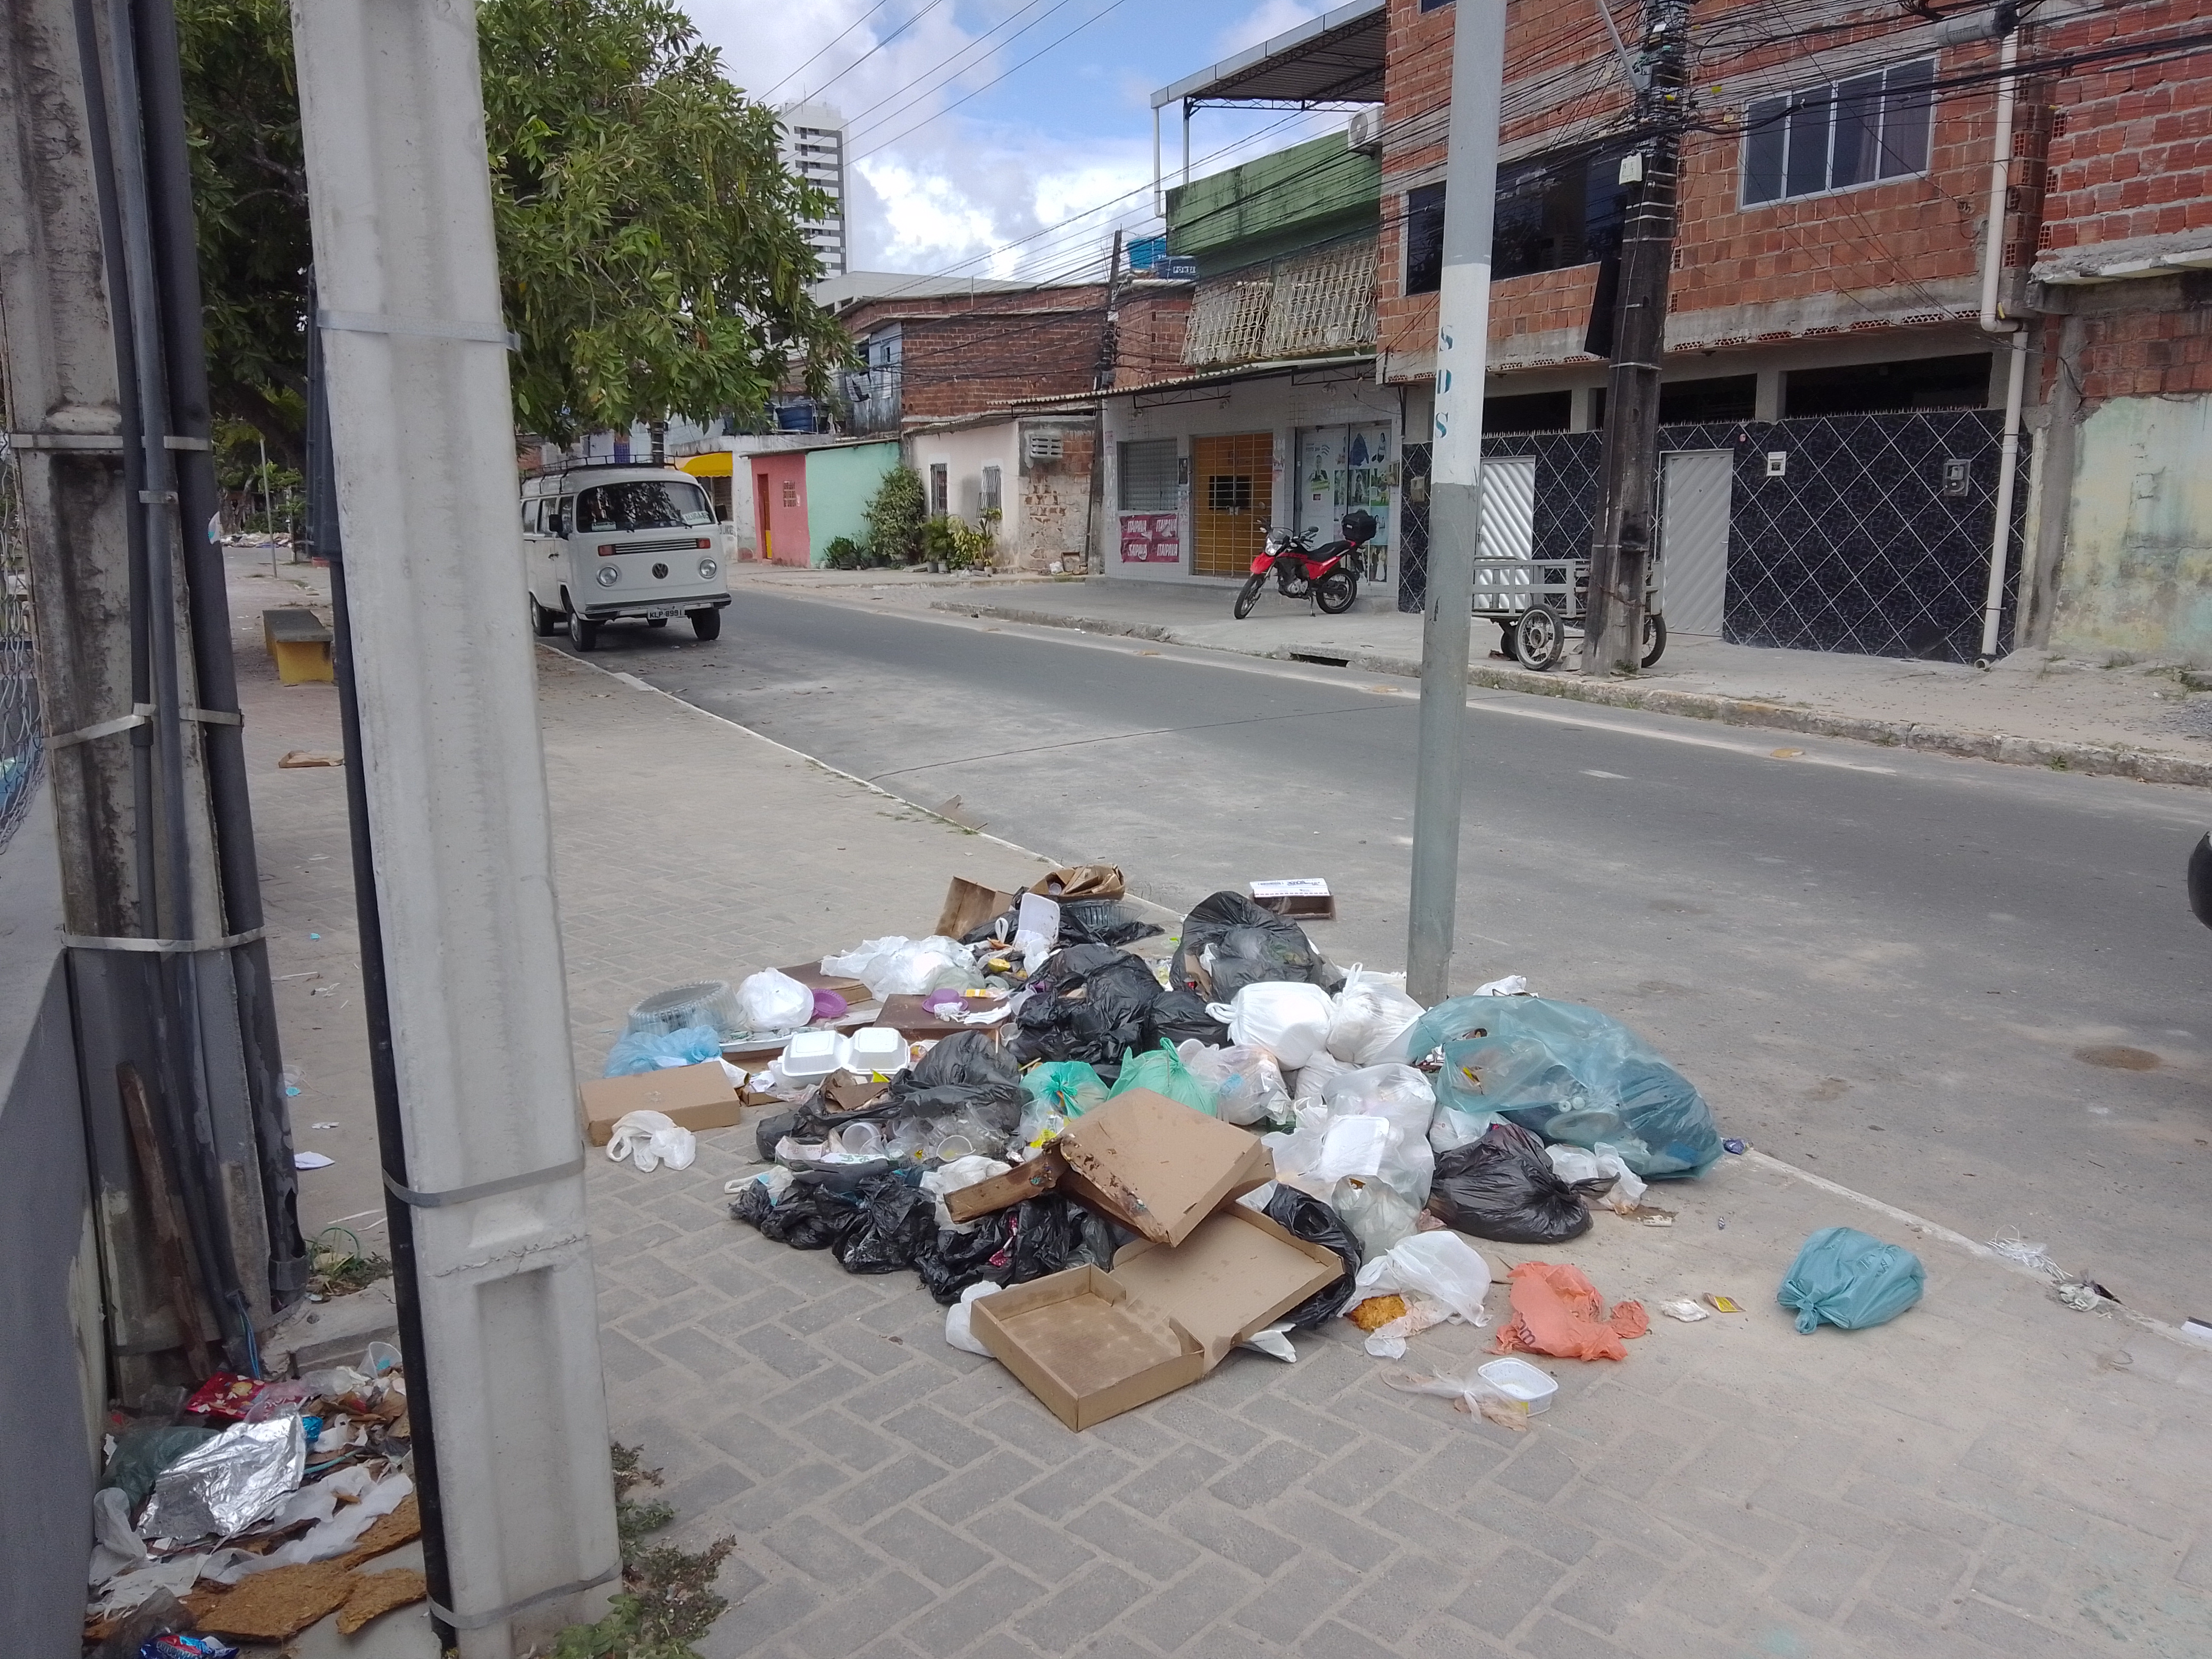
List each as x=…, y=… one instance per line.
x=2131, y=146
x=2154, y=340
x=1055, y=507
x=1150, y=333
x=967, y=364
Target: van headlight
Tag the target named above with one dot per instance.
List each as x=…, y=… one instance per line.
x=608, y=576
x=707, y=568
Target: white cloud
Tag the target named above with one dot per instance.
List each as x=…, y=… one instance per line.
x=1264, y=22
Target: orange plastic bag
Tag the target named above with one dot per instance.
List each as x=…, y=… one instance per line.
x=1558, y=1311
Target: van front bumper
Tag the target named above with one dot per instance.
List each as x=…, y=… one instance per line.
x=679, y=607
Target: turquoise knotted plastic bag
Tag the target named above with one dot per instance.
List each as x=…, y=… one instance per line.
x=1849, y=1278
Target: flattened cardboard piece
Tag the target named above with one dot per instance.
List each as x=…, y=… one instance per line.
x=1024, y=1181
x=916, y=1024
x=969, y=905
x=1081, y=1345
x=1082, y=881
x=809, y=975
x=694, y=1097
x=843, y=1092
x=1239, y=1273
x=1157, y=1166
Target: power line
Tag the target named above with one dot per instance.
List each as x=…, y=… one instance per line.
x=873, y=51
x=834, y=39
x=870, y=116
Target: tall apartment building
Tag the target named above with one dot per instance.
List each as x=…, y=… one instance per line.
x=814, y=148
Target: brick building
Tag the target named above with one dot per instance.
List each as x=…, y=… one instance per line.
x=1833, y=405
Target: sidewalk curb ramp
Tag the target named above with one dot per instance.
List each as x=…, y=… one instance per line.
x=2095, y=760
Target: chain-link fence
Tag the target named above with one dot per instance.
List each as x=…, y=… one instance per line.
x=21, y=743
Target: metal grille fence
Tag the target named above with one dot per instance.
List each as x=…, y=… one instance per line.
x=21, y=741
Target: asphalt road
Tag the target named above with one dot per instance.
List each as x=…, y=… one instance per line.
x=1973, y=991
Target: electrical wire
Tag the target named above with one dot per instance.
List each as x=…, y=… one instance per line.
x=880, y=113
x=834, y=39
x=809, y=97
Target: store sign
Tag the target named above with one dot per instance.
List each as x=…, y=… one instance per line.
x=1151, y=539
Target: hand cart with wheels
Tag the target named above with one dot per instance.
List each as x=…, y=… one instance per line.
x=1534, y=602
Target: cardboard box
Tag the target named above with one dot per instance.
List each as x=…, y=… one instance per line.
x=809, y=975
x=1092, y=1345
x=694, y=1097
x=1024, y=1181
x=1078, y=1343
x=1157, y=1166
x=1302, y=898
x=843, y=1092
x=969, y=905
x=916, y=1024
x=1082, y=881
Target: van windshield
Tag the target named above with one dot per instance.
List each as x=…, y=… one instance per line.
x=642, y=504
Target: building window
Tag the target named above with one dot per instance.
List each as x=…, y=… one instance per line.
x=1557, y=211
x=1229, y=493
x=1425, y=238
x=1724, y=398
x=989, y=501
x=940, y=491
x=1148, y=478
x=1839, y=134
x=1960, y=382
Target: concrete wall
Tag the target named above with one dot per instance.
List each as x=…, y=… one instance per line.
x=1278, y=404
x=839, y=484
x=780, y=522
x=964, y=453
x=2137, y=572
x=52, y=1373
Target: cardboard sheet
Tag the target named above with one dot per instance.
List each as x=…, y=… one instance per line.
x=1077, y=1342
x=1024, y=1181
x=695, y=1097
x=1237, y=1273
x=1157, y=1166
x=969, y=905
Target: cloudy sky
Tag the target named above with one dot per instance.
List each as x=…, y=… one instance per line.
x=971, y=157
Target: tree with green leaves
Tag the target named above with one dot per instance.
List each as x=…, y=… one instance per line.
x=652, y=255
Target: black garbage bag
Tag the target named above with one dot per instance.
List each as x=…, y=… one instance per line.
x=966, y=1074
x=806, y=1218
x=1179, y=1016
x=1503, y=1186
x=1250, y=944
x=770, y=1130
x=1087, y=1002
x=1053, y=1232
x=952, y=1262
x=1304, y=1216
x=1102, y=921
x=897, y=1222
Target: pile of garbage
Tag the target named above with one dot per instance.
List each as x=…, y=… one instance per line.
x=247, y=1511
x=1026, y=1095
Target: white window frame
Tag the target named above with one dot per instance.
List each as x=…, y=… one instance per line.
x=1829, y=89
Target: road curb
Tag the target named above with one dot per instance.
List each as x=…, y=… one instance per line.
x=2095, y=760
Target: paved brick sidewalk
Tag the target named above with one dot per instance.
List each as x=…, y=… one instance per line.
x=1992, y=1475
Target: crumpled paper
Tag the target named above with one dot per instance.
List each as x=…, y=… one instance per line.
x=228, y=1483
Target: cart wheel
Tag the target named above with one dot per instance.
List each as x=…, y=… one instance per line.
x=1655, y=637
x=1538, y=639
x=1336, y=591
x=1248, y=595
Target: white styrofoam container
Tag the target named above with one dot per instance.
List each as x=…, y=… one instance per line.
x=1522, y=1381
x=815, y=1054
x=878, y=1049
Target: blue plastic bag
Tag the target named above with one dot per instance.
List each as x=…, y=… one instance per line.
x=1849, y=1278
x=648, y=1051
x=1571, y=1075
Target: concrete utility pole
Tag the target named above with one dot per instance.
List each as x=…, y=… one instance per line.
x=1455, y=493
x=153, y=838
x=476, y=1111
x=1621, y=544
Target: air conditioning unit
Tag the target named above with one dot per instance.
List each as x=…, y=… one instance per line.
x=1365, y=131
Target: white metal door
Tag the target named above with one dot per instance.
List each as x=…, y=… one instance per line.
x=1693, y=537
x=1508, y=508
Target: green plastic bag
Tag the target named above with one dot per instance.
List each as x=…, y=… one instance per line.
x=1069, y=1087
x=1162, y=1072
x=1847, y=1278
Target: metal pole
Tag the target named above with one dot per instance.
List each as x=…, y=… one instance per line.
x=1621, y=543
x=1454, y=508
x=453, y=782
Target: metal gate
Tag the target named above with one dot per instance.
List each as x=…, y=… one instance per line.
x=1693, y=536
x=1232, y=494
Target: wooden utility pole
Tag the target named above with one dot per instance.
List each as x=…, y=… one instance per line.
x=1621, y=544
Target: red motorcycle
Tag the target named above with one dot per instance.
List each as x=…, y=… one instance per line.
x=1328, y=574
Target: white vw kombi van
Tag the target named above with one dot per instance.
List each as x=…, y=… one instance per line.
x=603, y=541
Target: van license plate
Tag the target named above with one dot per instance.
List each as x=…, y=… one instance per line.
x=650, y=614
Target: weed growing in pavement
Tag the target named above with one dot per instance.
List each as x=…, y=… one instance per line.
x=667, y=1600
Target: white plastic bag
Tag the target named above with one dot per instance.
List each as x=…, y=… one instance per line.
x=1297, y=1152
x=1287, y=1017
x=774, y=1001
x=1513, y=985
x=1440, y=1265
x=968, y=1171
x=1400, y=1096
x=1378, y=1214
x=897, y=966
x=1373, y=1014
x=957, y=1330
x=653, y=1139
x=1353, y=1145
x=1573, y=1163
x=1246, y=1083
x=1274, y=1342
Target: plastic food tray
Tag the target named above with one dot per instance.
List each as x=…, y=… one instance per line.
x=816, y=1053
x=1522, y=1380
